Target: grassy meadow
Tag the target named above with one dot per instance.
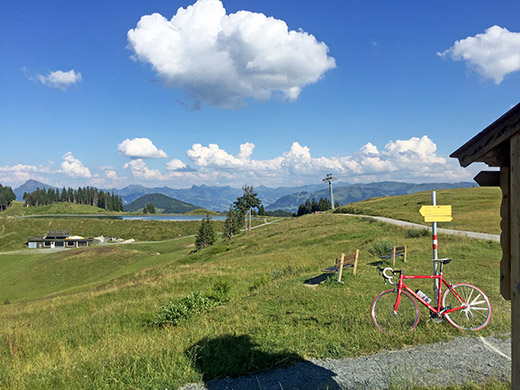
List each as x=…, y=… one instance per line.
x=474, y=209
x=17, y=209
x=15, y=232
x=85, y=318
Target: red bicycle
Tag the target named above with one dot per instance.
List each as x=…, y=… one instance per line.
x=463, y=305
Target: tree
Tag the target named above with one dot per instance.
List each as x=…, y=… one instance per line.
x=6, y=197
x=324, y=204
x=246, y=202
x=206, y=236
x=149, y=209
x=314, y=206
x=232, y=223
x=308, y=207
x=261, y=210
x=301, y=210
x=89, y=196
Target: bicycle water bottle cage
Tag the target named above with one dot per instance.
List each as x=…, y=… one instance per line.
x=442, y=261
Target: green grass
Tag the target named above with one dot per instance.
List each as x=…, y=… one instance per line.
x=14, y=232
x=47, y=273
x=202, y=212
x=96, y=335
x=474, y=209
x=17, y=209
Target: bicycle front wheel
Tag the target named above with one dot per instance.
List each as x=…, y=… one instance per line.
x=476, y=309
x=384, y=318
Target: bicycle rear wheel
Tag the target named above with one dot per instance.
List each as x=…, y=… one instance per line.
x=477, y=312
x=384, y=318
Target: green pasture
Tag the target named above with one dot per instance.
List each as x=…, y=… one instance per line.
x=17, y=209
x=28, y=276
x=474, y=209
x=14, y=232
x=94, y=331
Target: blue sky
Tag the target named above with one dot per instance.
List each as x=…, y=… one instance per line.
x=259, y=92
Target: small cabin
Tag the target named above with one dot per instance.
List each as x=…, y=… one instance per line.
x=498, y=145
x=58, y=239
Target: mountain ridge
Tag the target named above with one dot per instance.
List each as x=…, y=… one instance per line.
x=219, y=198
x=161, y=202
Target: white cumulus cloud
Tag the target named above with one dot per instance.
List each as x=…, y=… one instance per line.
x=73, y=167
x=140, y=170
x=224, y=59
x=111, y=174
x=176, y=165
x=140, y=148
x=19, y=173
x=60, y=79
x=411, y=160
x=493, y=54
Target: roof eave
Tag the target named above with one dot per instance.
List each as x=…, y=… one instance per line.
x=479, y=147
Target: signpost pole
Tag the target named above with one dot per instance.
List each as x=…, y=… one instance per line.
x=435, y=264
x=436, y=214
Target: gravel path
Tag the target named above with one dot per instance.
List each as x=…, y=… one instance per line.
x=461, y=360
x=482, y=236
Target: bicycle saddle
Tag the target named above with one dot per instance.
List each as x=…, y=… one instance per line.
x=443, y=261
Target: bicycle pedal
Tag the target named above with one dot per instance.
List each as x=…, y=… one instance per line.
x=436, y=317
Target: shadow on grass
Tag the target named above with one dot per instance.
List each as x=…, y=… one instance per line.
x=317, y=280
x=236, y=362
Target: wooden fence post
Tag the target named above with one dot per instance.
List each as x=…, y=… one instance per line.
x=340, y=268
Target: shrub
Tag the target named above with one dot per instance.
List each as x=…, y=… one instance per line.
x=416, y=233
x=173, y=313
x=220, y=292
x=380, y=248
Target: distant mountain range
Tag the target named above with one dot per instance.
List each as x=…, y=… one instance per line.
x=210, y=197
x=356, y=192
x=162, y=204
x=281, y=198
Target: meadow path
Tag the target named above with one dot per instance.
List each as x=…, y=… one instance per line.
x=473, y=359
x=482, y=236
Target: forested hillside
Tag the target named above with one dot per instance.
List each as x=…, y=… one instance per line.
x=89, y=196
x=162, y=203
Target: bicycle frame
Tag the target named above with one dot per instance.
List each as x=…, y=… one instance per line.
x=436, y=310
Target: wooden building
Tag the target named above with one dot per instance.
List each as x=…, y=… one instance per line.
x=498, y=145
x=58, y=239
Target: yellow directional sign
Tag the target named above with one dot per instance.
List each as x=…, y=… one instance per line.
x=436, y=213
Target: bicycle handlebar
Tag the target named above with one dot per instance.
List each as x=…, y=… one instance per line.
x=385, y=273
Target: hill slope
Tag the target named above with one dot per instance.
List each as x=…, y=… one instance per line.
x=100, y=329
x=161, y=202
x=474, y=209
x=17, y=209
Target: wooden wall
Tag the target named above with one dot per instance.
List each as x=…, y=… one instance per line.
x=515, y=257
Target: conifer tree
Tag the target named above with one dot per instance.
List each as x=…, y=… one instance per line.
x=206, y=236
x=246, y=203
x=6, y=197
x=314, y=206
x=232, y=223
